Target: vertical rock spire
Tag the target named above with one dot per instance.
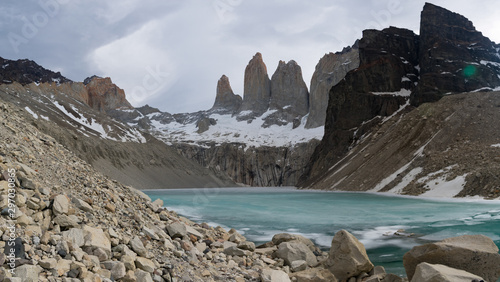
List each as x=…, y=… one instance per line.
x=226, y=99
x=257, y=86
x=289, y=89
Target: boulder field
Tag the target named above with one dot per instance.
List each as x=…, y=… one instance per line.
x=61, y=220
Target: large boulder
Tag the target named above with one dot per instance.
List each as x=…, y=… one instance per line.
x=177, y=230
x=293, y=251
x=95, y=238
x=138, y=247
x=271, y=275
x=442, y=273
x=286, y=237
x=314, y=275
x=476, y=254
x=60, y=205
x=28, y=273
x=347, y=257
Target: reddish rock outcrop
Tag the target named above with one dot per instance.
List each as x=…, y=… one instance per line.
x=104, y=95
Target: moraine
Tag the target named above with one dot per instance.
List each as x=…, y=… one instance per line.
x=388, y=226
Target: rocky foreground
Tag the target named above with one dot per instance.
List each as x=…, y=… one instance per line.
x=63, y=221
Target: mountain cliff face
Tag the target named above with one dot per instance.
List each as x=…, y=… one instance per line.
x=62, y=111
x=260, y=140
x=288, y=88
x=380, y=86
x=104, y=95
x=448, y=148
x=454, y=57
x=398, y=67
x=257, y=87
x=329, y=71
x=226, y=100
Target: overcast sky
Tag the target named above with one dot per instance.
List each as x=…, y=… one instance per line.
x=170, y=53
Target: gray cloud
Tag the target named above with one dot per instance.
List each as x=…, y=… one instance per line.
x=170, y=54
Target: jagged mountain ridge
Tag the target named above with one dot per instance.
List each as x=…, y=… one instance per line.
x=388, y=76
x=448, y=57
x=135, y=158
x=258, y=140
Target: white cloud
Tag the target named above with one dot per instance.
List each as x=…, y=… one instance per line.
x=196, y=41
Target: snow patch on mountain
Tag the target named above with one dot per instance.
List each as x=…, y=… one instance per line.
x=228, y=129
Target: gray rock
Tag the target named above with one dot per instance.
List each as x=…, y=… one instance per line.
x=286, y=237
x=157, y=204
x=191, y=231
x=314, y=275
x=246, y=245
x=138, y=247
x=95, y=238
x=128, y=261
x=81, y=204
x=476, y=254
x=292, y=251
x=389, y=277
x=347, y=257
x=271, y=275
x=234, y=251
x=65, y=221
x=150, y=233
x=145, y=264
x=29, y=273
x=441, y=273
x=118, y=271
x=143, y=276
x=48, y=263
x=177, y=230
x=60, y=205
x=75, y=235
x=298, y=265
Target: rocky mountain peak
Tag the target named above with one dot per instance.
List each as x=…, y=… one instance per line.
x=104, y=95
x=329, y=71
x=225, y=98
x=257, y=86
x=398, y=67
x=454, y=56
x=26, y=71
x=288, y=89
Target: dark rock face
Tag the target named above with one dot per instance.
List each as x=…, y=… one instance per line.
x=147, y=109
x=454, y=56
x=288, y=89
x=387, y=65
x=449, y=56
x=329, y=71
x=26, y=72
x=262, y=166
x=226, y=99
x=257, y=86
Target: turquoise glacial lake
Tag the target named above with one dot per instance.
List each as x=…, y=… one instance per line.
x=259, y=213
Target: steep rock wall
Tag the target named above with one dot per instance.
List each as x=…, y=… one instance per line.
x=262, y=166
